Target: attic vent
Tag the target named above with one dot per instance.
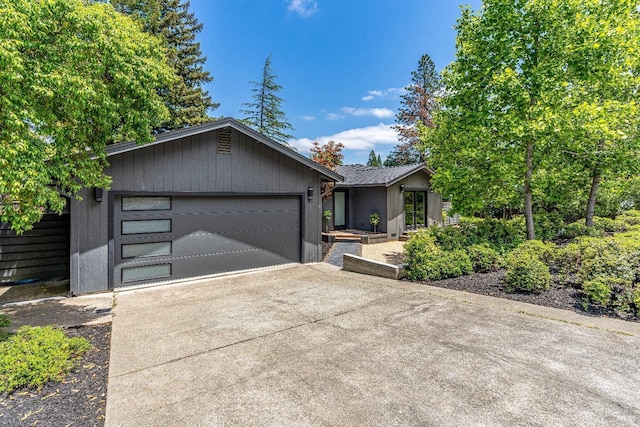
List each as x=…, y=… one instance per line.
x=224, y=141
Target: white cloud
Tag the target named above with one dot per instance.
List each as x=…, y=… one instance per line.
x=380, y=113
x=392, y=92
x=334, y=116
x=308, y=118
x=304, y=8
x=367, y=138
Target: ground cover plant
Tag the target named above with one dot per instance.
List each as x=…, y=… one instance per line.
x=601, y=262
x=34, y=356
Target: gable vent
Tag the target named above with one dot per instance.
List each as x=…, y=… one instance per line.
x=224, y=141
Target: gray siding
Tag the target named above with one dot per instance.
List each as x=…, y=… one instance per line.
x=190, y=165
x=362, y=203
x=41, y=253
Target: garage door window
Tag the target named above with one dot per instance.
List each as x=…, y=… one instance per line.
x=147, y=272
x=146, y=203
x=146, y=249
x=146, y=226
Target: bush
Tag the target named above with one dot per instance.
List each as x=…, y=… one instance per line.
x=34, y=356
x=526, y=273
x=543, y=251
x=597, y=290
x=4, y=323
x=483, y=258
x=577, y=229
x=426, y=261
x=610, y=225
x=548, y=225
x=631, y=217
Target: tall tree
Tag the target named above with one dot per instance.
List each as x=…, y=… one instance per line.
x=403, y=154
x=264, y=114
x=328, y=155
x=512, y=94
x=417, y=105
x=188, y=102
x=74, y=77
x=374, y=160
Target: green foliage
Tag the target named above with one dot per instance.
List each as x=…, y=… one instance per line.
x=75, y=77
x=402, y=154
x=548, y=225
x=577, y=229
x=540, y=103
x=374, y=160
x=5, y=322
x=326, y=214
x=264, y=114
x=501, y=235
x=426, y=261
x=526, y=273
x=34, y=356
x=483, y=258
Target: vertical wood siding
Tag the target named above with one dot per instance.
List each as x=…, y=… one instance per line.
x=41, y=253
x=190, y=165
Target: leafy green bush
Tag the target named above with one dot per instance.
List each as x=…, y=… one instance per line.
x=526, y=273
x=610, y=225
x=548, y=225
x=426, y=261
x=483, y=258
x=598, y=290
x=577, y=229
x=34, y=356
x=4, y=323
x=631, y=217
x=543, y=251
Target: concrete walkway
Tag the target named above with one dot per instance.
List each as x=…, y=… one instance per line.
x=314, y=345
x=339, y=249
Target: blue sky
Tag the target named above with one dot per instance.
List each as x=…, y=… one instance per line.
x=342, y=63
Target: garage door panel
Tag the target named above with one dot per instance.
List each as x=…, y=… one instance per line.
x=207, y=235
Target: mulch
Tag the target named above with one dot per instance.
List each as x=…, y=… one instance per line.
x=79, y=400
x=558, y=296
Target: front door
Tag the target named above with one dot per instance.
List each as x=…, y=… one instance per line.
x=415, y=203
x=339, y=210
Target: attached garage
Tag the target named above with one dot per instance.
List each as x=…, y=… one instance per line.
x=210, y=199
x=158, y=238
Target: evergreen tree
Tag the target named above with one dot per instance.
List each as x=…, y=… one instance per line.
x=374, y=160
x=403, y=154
x=264, y=113
x=417, y=106
x=187, y=101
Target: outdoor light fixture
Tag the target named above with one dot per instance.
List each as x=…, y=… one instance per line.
x=310, y=193
x=402, y=188
x=97, y=194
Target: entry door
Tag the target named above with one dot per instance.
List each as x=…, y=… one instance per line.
x=340, y=210
x=415, y=204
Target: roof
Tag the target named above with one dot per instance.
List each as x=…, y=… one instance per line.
x=372, y=176
x=228, y=122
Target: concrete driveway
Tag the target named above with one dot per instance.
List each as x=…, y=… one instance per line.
x=313, y=345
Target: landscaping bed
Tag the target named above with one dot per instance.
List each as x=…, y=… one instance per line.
x=562, y=297
x=79, y=400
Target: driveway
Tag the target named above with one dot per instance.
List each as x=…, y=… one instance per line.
x=313, y=345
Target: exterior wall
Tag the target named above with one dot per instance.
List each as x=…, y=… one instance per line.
x=363, y=201
x=191, y=165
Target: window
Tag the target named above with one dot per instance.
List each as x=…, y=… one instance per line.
x=146, y=203
x=147, y=272
x=146, y=226
x=146, y=249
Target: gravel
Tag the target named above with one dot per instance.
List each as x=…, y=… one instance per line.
x=79, y=400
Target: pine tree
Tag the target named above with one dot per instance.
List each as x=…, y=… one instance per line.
x=374, y=160
x=417, y=106
x=403, y=154
x=187, y=101
x=264, y=113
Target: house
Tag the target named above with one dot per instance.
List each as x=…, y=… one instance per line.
x=401, y=195
x=208, y=199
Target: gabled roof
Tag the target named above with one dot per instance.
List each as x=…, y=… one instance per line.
x=371, y=176
x=228, y=122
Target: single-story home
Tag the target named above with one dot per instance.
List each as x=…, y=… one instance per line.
x=401, y=195
x=208, y=199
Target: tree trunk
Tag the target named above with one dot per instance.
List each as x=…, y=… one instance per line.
x=528, y=196
x=591, y=202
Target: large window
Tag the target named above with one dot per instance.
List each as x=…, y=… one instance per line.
x=415, y=205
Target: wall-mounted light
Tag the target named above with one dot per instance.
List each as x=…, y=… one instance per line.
x=402, y=188
x=310, y=193
x=97, y=194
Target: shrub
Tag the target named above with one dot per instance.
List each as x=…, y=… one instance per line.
x=597, y=290
x=426, y=261
x=577, y=229
x=543, y=251
x=34, y=356
x=609, y=225
x=526, y=273
x=483, y=258
x=548, y=225
x=631, y=217
x=4, y=323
